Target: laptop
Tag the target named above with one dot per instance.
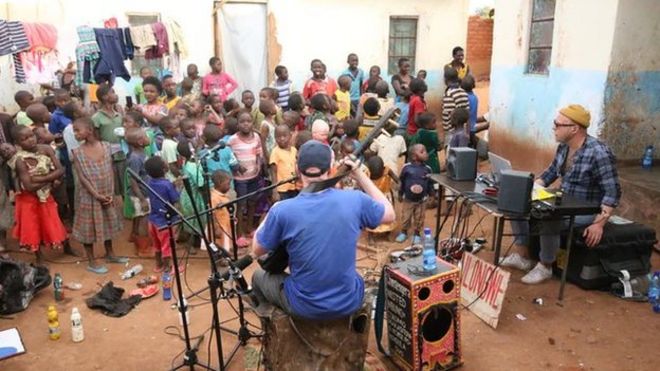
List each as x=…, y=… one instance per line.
x=497, y=164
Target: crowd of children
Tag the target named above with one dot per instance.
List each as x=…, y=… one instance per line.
x=67, y=168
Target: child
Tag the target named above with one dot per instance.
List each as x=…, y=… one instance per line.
x=415, y=188
x=195, y=174
x=320, y=103
x=171, y=131
x=421, y=74
x=189, y=134
x=389, y=147
x=320, y=131
x=455, y=97
x=370, y=117
x=283, y=164
x=247, y=98
x=106, y=120
x=417, y=104
x=302, y=138
x=267, y=130
x=230, y=108
x=219, y=195
x=153, y=111
x=225, y=159
x=382, y=89
x=297, y=104
x=169, y=86
x=96, y=217
x=246, y=145
x=7, y=151
x=351, y=131
x=266, y=94
x=156, y=169
x=459, y=136
x=343, y=98
x=477, y=123
x=36, y=222
x=382, y=177
x=346, y=149
x=145, y=72
x=185, y=90
x=427, y=136
x=319, y=82
x=136, y=203
x=357, y=78
x=231, y=128
x=38, y=114
x=218, y=82
x=284, y=87
x=180, y=112
x=193, y=74
x=23, y=99
x=213, y=110
x=374, y=75
x=197, y=114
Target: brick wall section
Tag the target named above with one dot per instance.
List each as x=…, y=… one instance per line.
x=479, y=46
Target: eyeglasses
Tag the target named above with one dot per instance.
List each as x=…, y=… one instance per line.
x=558, y=125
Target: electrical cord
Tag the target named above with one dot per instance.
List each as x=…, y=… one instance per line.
x=490, y=276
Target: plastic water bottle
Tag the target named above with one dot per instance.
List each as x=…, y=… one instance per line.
x=132, y=272
x=647, y=160
x=53, y=323
x=167, y=285
x=57, y=286
x=654, y=292
x=77, y=334
x=428, y=253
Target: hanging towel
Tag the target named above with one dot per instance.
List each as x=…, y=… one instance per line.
x=42, y=36
x=128, y=43
x=12, y=38
x=111, y=63
x=176, y=39
x=87, y=51
x=143, y=37
x=162, y=47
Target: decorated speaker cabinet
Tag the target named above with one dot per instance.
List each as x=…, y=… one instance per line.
x=423, y=320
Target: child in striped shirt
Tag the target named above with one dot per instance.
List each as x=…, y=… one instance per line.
x=284, y=87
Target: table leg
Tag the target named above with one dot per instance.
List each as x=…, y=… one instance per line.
x=441, y=191
x=494, y=233
x=498, y=238
x=569, y=244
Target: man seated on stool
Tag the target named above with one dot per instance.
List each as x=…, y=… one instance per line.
x=588, y=172
x=320, y=230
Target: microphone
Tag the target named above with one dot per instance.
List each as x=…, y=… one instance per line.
x=235, y=272
x=214, y=150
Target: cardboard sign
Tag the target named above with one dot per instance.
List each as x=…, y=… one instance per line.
x=485, y=285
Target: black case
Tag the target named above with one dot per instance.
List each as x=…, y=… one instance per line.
x=622, y=247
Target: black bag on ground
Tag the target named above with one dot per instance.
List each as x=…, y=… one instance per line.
x=623, y=247
x=109, y=301
x=19, y=282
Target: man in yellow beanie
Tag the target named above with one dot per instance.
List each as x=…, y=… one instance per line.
x=587, y=170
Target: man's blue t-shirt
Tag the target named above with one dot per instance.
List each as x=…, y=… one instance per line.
x=474, y=104
x=321, y=231
x=166, y=190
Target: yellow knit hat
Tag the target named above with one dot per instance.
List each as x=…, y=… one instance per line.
x=577, y=114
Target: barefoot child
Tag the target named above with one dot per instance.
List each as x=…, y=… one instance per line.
x=136, y=203
x=246, y=145
x=195, y=174
x=283, y=164
x=221, y=186
x=36, y=167
x=156, y=169
x=96, y=218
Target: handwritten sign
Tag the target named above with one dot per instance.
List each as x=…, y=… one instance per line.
x=483, y=287
x=399, y=320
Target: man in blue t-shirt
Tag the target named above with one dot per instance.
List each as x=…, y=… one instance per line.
x=320, y=231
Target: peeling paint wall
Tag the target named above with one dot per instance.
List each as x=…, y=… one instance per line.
x=522, y=105
x=632, y=95
x=331, y=29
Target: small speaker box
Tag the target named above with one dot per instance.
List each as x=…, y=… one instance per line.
x=515, y=191
x=462, y=163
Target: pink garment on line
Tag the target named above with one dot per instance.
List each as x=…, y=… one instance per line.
x=42, y=36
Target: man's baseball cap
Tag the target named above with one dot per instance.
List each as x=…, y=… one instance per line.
x=314, y=158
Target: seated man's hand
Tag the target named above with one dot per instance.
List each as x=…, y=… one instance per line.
x=593, y=234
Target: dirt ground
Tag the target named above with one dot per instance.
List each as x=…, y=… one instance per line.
x=590, y=330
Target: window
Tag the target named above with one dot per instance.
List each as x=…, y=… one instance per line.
x=403, y=42
x=140, y=19
x=540, y=36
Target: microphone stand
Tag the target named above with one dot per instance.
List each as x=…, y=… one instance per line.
x=190, y=356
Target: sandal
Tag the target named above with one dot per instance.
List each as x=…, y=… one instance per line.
x=116, y=259
x=149, y=280
x=102, y=269
x=145, y=292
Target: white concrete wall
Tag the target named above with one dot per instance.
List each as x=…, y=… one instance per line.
x=524, y=105
x=331, y=29
x=196, y=22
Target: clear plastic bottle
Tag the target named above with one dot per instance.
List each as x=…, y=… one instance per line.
x=132, y=272
x=77, y=334
x=654, y=292
x=428, y=253
x=647, y=159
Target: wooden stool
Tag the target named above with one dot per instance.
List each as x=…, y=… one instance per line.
x=299, y=344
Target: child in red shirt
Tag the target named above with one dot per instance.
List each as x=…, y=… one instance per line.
x=417, y=104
